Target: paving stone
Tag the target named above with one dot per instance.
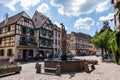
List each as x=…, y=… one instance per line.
x=103, y=71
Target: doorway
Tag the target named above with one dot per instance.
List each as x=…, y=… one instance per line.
x=31, y=54
x=24, y=54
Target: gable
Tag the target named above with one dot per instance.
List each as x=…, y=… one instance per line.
x=39, y=19
x=25, y=15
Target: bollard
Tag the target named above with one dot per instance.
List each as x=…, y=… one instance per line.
x=36, y=65
x=87, y=68
x=92, y=67
x=58, y=70
x=38, y=68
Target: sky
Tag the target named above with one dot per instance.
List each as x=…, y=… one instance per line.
x=84, y=16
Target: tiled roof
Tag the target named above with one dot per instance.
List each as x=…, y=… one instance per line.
x=82, y=35
x=12, y=19
x=39, y=22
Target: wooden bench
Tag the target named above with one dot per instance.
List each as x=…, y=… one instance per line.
x=57, y=69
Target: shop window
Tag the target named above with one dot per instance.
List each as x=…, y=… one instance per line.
x=2, y=52
x=9, y=52
x=31, y=53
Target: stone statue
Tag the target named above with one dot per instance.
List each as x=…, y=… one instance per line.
x=63, y=41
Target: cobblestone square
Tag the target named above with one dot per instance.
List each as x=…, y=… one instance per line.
x=103, y=71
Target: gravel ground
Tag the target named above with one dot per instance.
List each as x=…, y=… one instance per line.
x=103, y=71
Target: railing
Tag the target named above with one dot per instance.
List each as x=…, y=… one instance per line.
x=22, y=43
x=27, y=43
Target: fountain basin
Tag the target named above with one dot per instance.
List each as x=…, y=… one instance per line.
x=66, y=66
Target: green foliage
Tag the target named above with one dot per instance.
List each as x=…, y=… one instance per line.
x=101, y=40
x=96, y=41
x=9, y=66
x=113, y=44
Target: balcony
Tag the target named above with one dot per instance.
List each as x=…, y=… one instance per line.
x=27, y=43
x=32, y=43
x=22, y=43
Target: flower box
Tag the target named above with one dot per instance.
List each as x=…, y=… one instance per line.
x=10, y=69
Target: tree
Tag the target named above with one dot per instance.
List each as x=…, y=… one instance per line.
x=98, y=43
x=114, y=46
x=101, y=41
x=104, y=36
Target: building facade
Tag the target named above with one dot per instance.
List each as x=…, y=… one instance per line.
x=44, y=30
x=57, y=40
x=80, y=44
x=17, y=35
x=116, y=5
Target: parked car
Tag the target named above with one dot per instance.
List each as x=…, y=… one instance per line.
x=98, y=54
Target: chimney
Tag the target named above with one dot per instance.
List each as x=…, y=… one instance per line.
x=6, y=18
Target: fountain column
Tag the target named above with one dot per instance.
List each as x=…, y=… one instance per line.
x=63, y=42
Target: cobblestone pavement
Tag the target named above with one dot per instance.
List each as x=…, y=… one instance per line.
x=104, y=71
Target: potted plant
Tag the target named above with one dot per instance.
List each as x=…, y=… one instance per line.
x=5, y=69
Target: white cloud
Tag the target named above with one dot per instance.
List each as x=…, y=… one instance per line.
x=108, y=17
x=9, y=3
x=77, y=7
x=43, y=8
x=103, y=6
x=58, y=25
x=84, y=23
x=26, y=4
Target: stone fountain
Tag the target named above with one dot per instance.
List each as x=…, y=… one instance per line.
x=66, y=65
x=64, y=43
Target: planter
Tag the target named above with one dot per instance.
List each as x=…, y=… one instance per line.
x=10, y=70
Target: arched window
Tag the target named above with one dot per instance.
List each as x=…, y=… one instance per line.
x=2, y=52
x=9, y=53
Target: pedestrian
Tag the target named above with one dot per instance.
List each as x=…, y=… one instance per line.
x=19, y=56
x=11, y=59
